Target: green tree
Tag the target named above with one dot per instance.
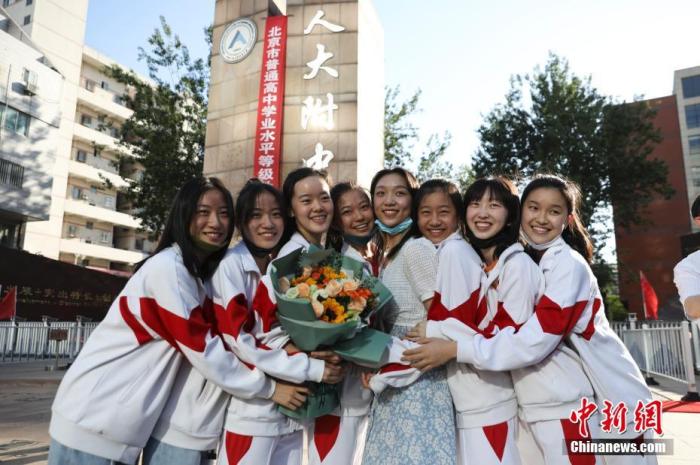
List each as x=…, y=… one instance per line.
x=165, y=134
x=401, y=137
x=552, y=121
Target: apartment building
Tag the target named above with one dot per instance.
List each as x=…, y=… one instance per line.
x=88, y=223
x=686, y=88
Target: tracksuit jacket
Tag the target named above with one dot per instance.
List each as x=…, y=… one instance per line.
x=113, y=394
x=552, y=388
x=570, y=311
x=195, y=413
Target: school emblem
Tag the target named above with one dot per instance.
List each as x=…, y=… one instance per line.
x=238, y=40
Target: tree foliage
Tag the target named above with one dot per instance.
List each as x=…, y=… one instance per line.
x=401, y=137
x=165, y=134
x=552, y=121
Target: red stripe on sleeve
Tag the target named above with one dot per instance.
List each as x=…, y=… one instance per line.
x=142, y=336
x=501, y=320
x=590, y=327
x=235, y=317
x=389, y=367
x=470, y=312
x=264, y=307
x=175, y=329
x=557, y=320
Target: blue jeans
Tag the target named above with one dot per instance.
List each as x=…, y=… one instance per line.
x=160, y=453
x=63, y=455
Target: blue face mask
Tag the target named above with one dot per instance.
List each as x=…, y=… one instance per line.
x=398, y=229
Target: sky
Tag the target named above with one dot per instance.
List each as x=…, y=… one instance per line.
x=462, y=53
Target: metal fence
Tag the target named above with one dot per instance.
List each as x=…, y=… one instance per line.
x=669, y=349
x=36, y=340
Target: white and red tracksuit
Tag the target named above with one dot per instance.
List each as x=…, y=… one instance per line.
x=194, y=416
x=485, y=403
x=333, y=439
x=570, y=309
x=256, y=433
x=548, y=391
x=113, y=394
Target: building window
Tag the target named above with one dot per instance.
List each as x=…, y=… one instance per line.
x=76, y=192
x=691, y=86
x=11, y=173
x=86, y=120
x=29, y=2
x=109, y=202
x=104, y=237
x=692, y=116
x=694, y=145
x=15, y=120
x=89, y=85
x=72, y=230
x=27, y=19
x=85, y=261
x=138, y=244
x=104, y=85
x=89, y=225
x=81, y=156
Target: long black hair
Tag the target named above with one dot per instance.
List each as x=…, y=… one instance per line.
x=288, y=193
x=246, y=203
x=574, y=234
x=335, y=234
x=412, y=185
x=504, y=191
x=440, y=185
x=177, y=226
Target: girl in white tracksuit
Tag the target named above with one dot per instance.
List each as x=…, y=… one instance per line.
x=336, y=439
x=546, y=392
x=113, y=394
x=194, y=415
x=571, y=309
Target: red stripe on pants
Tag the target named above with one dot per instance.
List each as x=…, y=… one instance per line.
x=497, y=435
x=325, y=434
x=572, y=433
x=236, y=446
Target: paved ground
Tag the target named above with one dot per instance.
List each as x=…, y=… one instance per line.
x=27, y=390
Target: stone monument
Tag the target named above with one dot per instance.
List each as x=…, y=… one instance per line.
x=295, y=82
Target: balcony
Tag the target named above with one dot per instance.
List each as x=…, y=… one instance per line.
x=91, y=173
x=101, y=100
x=77, y=247
x=88, y=235
x=84, y=209
x=92, y=136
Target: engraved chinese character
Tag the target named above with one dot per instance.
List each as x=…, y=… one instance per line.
x=317, y=63
x=318, y=114
x=266, y=147
x=648, y=417
x=272, y=53
x=274, y=42
x=582, y=415
x=272, y=64
x=614, y=417
x=269, y=98
x=269, y=110
x=272, y=75
x=320, y=159
x=319, y=21
x=270, y=88
x=268, y=123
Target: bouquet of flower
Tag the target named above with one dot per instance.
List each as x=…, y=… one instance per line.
x=326, y=300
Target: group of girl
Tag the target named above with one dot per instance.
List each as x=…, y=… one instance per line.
x=489, y=335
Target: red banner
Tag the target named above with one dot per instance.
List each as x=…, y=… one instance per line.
x=268, y=132
x=651, y=302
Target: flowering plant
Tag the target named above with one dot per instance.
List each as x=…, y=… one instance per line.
x=335, y=297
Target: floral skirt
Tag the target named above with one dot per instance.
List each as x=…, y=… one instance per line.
x=414, y=425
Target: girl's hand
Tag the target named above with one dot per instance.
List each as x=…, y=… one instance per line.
x=332, y=373
x=431, y=354
x=327, y=356
x=290, y=348
x=291, y=396
x=365, y=376
x=417, y=332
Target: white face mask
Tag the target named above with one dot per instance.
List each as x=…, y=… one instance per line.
x=544, y=246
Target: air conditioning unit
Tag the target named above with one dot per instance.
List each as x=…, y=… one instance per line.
x=30, y=82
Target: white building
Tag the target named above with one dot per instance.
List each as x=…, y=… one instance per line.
x=686, y=87
x=87, y=224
